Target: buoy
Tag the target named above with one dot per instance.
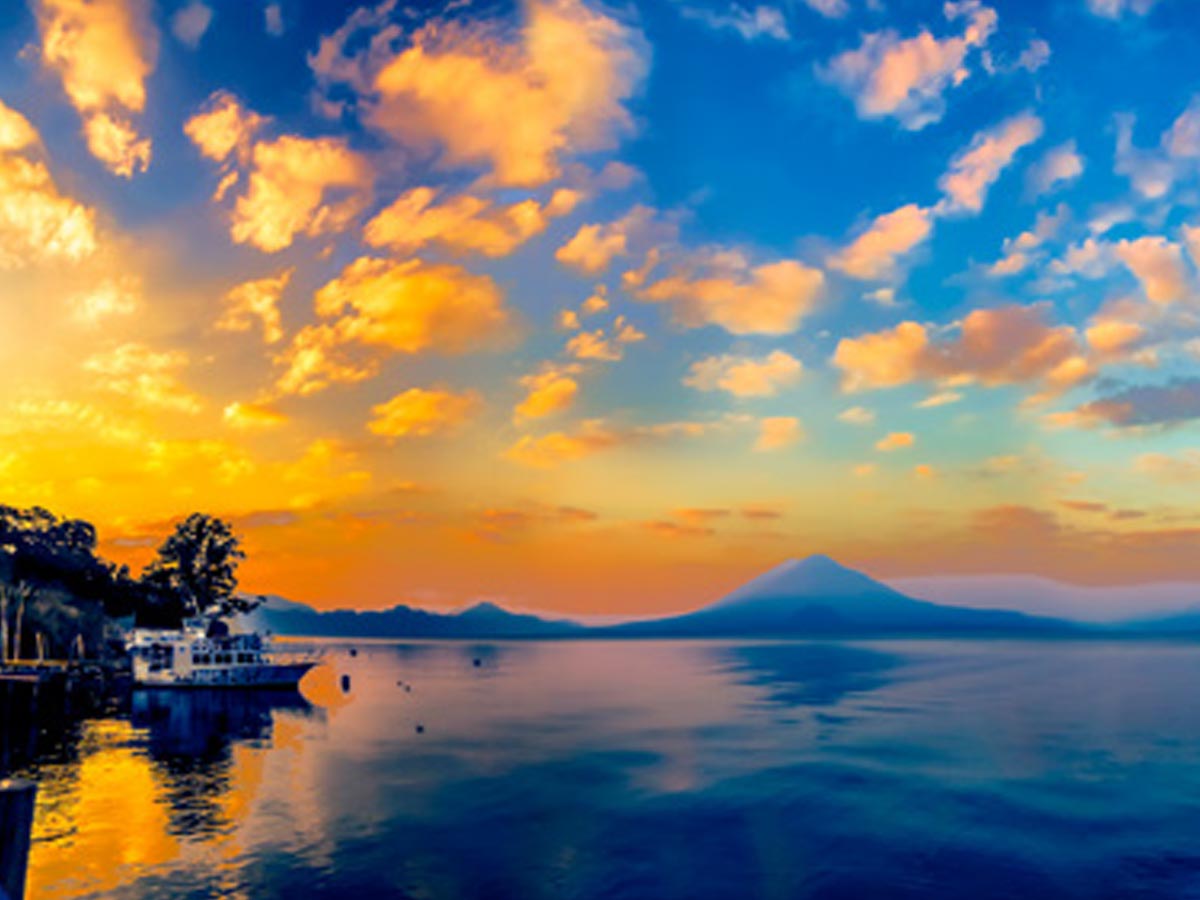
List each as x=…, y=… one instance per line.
x=345, y=684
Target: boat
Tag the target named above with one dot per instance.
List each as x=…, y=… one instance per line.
x=204, y=653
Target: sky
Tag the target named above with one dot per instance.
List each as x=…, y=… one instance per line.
x=603, y=309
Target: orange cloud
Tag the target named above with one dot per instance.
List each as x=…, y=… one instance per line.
x=873, y=254
x=1158, y=265
x=403, y=307
x=595, y=246
x=222, y=127
x=146, y=377
x=553, y=390
x=463, y=223
x=116, y=143
x=111, y=297
x=317, y=357
x=256, y=300
x=673, y=530
x=884, y=359
x=778, y=433
x=549, y=450
x=518, y=107
x=38, y=224
x=102, y=50
x=907, y=78
x=595, y=345
x=1005, y=345
x=246, y=416
x=419, y=412
x=745, y=376
x=1181, y=468
x=291, y=180
x=413, y=306
x=896, y=440
x=722, y=288
x=598, y=301
x=1113, y=336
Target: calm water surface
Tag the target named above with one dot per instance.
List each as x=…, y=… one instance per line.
x=648, y=770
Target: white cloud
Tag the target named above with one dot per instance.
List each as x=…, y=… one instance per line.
x=1115, y=9
x=1153, y=173
x=191, y=22
x=973, y=171
x=273, y=19
x=1058, y=166
x=751, y=24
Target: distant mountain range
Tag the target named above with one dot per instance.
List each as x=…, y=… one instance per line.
x=813, y=596
x=1102, y=604
x=481, y=620
x=817, y=595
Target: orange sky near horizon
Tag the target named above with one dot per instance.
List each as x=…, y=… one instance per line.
x=604, y=310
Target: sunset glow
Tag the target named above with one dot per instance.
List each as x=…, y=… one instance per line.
x=601, y=309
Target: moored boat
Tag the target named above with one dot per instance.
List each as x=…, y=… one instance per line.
x=204, y=653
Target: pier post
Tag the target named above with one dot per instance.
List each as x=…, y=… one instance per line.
x=16, y=828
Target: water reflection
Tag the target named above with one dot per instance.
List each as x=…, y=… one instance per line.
x=644, y=769
x=175, y=775
x=804, y=674
x=190, y=736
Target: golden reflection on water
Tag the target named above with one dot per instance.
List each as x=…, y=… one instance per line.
x=172, y=788
x=198, y=789
x=99, y=822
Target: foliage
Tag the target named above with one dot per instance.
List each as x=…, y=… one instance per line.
x=195, y=571
x=44, y=551
x=53, y=583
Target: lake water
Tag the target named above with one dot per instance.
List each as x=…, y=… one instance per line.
x=647, y=770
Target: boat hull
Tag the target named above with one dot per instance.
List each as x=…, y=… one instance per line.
x=266, y=675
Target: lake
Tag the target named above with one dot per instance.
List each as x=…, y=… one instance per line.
x=606, y=769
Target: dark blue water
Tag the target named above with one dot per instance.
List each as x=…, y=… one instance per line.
x=649, y=770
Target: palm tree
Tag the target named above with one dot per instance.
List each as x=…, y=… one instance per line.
x=16, y=595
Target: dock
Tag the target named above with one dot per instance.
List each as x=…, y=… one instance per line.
x=44, y=671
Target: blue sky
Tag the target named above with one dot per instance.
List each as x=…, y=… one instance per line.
x=669, y=289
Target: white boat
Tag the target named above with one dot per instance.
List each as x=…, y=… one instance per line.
x=203, y=653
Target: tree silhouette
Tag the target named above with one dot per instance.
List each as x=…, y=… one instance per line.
x=196, y=568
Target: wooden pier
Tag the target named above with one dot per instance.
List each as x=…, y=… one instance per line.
x=44, y=671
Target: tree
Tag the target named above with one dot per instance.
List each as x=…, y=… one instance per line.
x=196, y=568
